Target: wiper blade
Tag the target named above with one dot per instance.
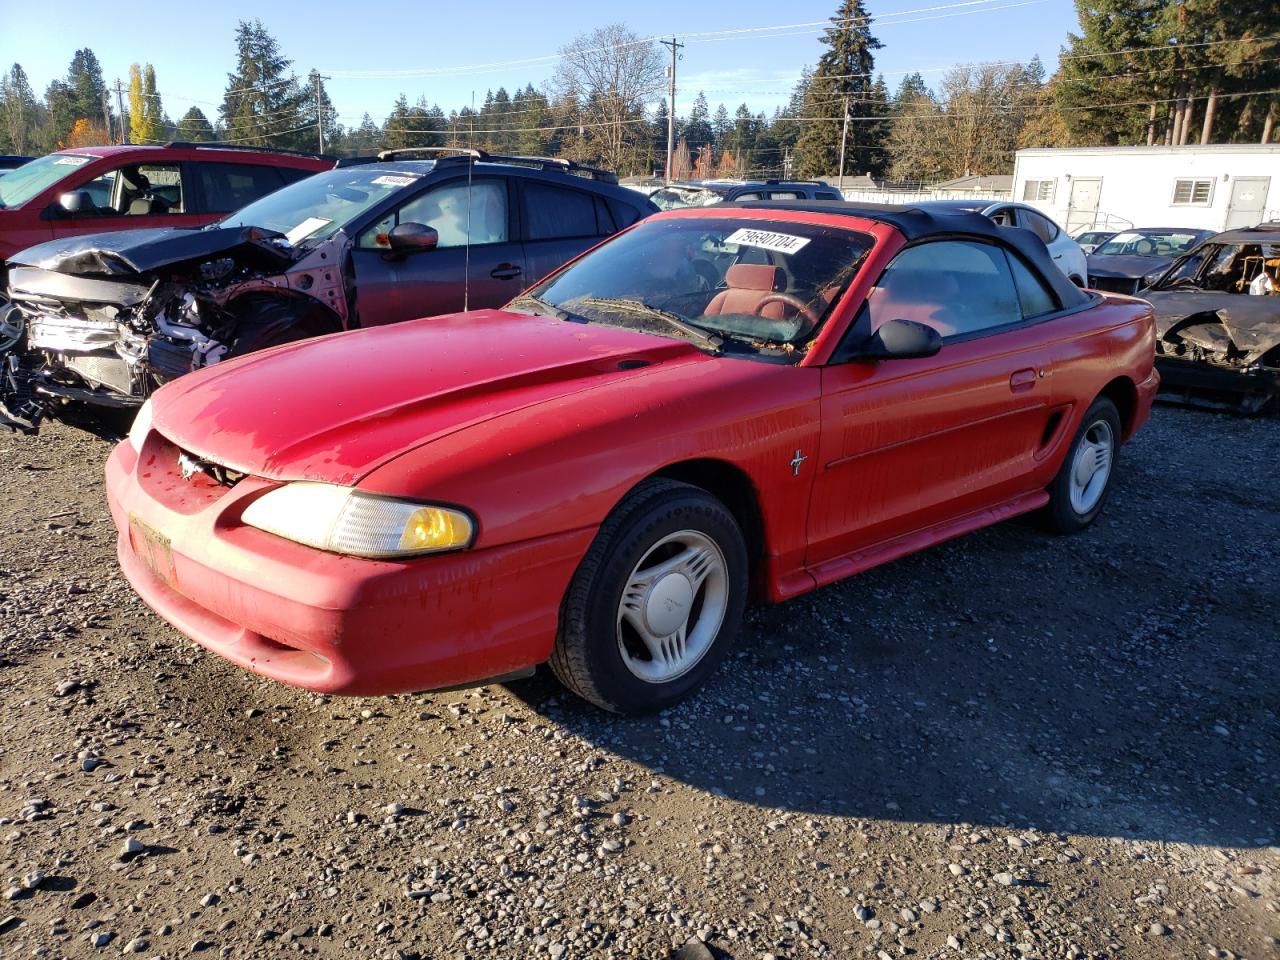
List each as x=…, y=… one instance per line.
x=542, y=305
x=691, y=330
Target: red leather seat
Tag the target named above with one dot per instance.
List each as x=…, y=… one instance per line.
x=749, y=284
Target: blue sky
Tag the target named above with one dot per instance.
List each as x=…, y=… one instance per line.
x=473, y=47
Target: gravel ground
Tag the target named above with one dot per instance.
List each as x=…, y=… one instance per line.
x=1012, y=745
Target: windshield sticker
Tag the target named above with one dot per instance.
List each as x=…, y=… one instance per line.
x=778, y=242
x=306, y=228
x=390, y=181
x=71, y=161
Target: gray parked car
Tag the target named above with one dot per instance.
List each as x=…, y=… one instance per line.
x=1066, y=253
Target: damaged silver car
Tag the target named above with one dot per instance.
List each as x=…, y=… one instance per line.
x=1218, y=322
x=106, y=318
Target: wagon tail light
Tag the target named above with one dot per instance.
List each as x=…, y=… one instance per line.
x=347, y=521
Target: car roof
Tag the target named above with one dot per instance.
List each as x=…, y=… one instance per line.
x=422, y=168
x=927, y=220
x=230, y=152
x=1262, y=233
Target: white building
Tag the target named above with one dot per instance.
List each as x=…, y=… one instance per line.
x=1212, y=187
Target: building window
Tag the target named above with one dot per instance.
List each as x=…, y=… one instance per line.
x=1192, y=193
x=1039, y=190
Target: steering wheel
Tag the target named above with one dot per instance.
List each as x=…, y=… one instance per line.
x=792, y=301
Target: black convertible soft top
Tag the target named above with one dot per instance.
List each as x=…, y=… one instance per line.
x=917, y=223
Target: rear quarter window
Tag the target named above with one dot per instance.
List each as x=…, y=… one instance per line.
x=230, y=186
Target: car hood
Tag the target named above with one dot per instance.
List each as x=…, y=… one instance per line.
x=1252, y=322
x=1129, y=266
x=335, y=408
x=124, y=252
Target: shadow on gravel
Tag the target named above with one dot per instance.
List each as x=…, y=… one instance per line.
x=1116, y=683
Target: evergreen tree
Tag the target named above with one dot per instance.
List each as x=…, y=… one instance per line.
x=534, y=114
x=720, y=127
x=19, y=112
x=843, y=78
x=194, y=127
x=80, y=97
x=697, y=131
x=264, y=103
x=145, y=112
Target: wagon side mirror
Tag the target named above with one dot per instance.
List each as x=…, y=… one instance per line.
x=408, y=238
x=900, y=340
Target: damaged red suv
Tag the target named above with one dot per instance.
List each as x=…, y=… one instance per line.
x=743, y=401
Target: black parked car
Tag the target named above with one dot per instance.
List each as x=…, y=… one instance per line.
x=1134, y=259
x=109, y=316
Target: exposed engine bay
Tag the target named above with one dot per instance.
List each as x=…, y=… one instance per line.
x=105, y=319
x=1218, y=322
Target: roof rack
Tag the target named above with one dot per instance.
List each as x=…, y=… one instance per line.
x=815, y=183
x=410, y=151
x=193, y=145
x=465, y=155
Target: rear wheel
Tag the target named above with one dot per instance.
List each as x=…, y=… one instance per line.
x=656, y=601
x=1080, y=489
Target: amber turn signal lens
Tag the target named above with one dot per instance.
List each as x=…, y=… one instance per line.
x=435, y=528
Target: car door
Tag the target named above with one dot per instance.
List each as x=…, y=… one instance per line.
x=131, y=196
x=911, y=443
x=487, y=272
x=559, y=223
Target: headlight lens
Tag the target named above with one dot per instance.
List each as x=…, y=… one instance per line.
x=1152, y=277
x=345, y=520
x=141, y=427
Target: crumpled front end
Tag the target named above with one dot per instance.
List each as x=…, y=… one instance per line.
x=106, y=322
x=1218, y=350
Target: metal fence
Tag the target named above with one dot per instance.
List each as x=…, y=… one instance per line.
x=919, y=196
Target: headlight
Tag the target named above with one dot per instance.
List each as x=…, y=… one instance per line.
x=1152, y=277
x=345, y=520
x=141, y=427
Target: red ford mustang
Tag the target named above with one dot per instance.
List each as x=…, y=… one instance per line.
x=715, y=404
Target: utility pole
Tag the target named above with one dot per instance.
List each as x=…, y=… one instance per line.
x=315, y=79
x=671, y=110
x=844, y=136
x=106, y=112
x=124, y=130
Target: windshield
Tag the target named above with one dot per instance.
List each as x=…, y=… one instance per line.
x=755, y=285
x=669, y=198
x=30, y=179
x=318, y=207
x=1149, y=243
x=1244, y=268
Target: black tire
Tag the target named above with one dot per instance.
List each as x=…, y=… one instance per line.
x=587, y=656
x=1061, y=515
x=271, y=322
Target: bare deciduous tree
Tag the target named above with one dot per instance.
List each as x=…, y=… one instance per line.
x=610, y=74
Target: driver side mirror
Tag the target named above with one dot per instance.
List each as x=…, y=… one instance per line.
x=900, y=340
x=410, y=238
x=76, y=202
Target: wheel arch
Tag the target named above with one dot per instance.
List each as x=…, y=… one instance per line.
x=1123, y=392
x=322, y=313
x=732, y=486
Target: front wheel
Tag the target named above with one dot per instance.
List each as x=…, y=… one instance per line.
x=1080, y=488
x=656, y=601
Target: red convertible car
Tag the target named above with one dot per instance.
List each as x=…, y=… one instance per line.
x=743, y=401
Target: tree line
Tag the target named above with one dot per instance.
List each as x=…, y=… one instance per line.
x=1139, y=71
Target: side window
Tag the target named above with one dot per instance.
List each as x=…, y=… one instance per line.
x=1035, y=297
x=624, y=215
x=293, y=174
x=230, y=186
x=1002, y=217
x=449, y=209
x=604, y=219
x=827, y=195
x=1042, y=227
x=784, y=195
x=152, y=188
x=556, y=214
x=956, y=287
x=750, y=196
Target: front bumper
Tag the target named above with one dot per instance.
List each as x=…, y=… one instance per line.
x=1199, y=383
x=321, y=621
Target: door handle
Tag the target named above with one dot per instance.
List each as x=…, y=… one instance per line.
x=1021, y=381
x=505, y=271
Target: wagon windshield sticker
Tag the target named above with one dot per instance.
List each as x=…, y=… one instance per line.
x=71, y=161
x=391, y=181
x=777, y=242
x=306, y=228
